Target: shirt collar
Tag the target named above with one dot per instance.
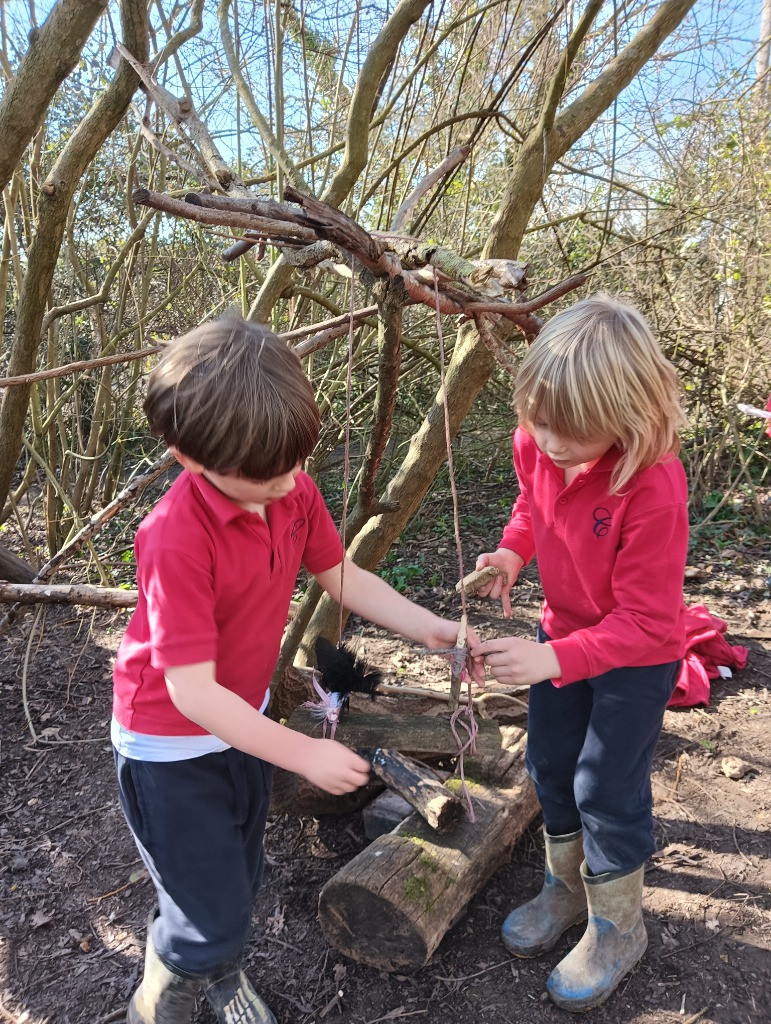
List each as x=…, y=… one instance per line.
x=224, y=510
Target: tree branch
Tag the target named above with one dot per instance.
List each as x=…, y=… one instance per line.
x=53, y=52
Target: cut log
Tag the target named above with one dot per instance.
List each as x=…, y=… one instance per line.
x=412, y=735
x=391, y=905
x=419, y=786
x=14, y=569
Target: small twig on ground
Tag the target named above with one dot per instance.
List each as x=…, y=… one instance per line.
x=141, y=877
x=485, y=970
x=114, y=1016
x=8, y=1016
x=695, y=1016
x=678, y=773
x=398, y=1012
x=736, y=844
x=693, y=945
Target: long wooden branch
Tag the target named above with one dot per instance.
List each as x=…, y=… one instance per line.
x=316, y=220
x=389, y=363
x=75, y=593
x=83, y=364
x=278, y=231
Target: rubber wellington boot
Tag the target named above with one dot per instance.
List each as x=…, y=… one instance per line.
x=163, y=997
x=536, y=926
x=233, y=999
x=615, y=939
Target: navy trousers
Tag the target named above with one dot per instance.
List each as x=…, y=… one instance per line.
x=199, y=826
x=590, y=749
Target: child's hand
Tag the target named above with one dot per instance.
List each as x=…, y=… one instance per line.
x=518, y=662
x=509, y=563
x=446, y=635
x=335, y=769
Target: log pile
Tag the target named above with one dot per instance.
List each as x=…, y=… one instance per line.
x=391, y=905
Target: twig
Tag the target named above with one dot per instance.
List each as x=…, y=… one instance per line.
x=482, y=698
x=11, y=1018
x=678, y=773
x=25, y=676
x=392, y=1015
x=485, y=970
x=477, y=579
x=695, y=1016
x=143, y=877
x=83, y=364
x=736, y=844
x=693, y=945
x=116, y=1015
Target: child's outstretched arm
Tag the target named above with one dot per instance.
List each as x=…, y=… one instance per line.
x=371, y=597
x=199, y=697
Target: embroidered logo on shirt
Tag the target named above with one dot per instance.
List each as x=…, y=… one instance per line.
x=602, y=521
x=297, y=525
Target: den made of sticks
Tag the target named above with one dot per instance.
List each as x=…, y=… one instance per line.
x=406, y=195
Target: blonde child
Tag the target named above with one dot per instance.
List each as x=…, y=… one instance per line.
x=602, y=505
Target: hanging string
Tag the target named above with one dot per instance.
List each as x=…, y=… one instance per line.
x=347, y=455
x=467, y=712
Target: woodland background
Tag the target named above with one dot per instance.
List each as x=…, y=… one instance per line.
x=629, y=143
x=625, y=142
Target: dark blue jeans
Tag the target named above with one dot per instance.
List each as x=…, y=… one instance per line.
x=590, y=749
x=199, y=825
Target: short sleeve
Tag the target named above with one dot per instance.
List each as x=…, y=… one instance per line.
x=179, y=591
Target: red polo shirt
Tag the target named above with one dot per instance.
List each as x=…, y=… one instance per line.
x=215, y=582
x=611, y=566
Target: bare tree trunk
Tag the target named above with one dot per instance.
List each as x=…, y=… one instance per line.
x=54, y=204
x=53, y=52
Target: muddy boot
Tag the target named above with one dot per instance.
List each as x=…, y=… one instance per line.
x=536, y=926
x=614, y=941
x=234, y=1001
x=164, y=996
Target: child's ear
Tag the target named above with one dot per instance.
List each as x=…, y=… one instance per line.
x=185, y=461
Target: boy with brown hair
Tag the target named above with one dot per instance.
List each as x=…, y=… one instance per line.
x=217, y=561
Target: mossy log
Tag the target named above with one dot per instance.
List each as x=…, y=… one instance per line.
x=391, y=905
x=410, y=734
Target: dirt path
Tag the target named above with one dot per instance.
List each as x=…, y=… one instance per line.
x=73, y=895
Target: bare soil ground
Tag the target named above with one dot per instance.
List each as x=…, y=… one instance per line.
x=74, y=897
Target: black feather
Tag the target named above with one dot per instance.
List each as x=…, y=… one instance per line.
x=344, y=672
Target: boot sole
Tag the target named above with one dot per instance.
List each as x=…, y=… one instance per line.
x=531, y=952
